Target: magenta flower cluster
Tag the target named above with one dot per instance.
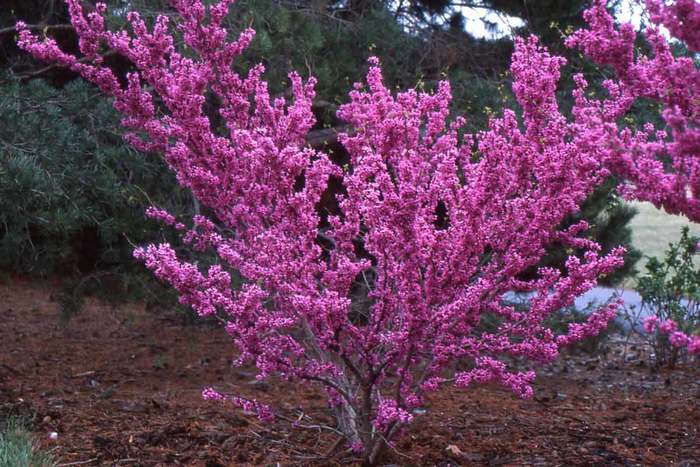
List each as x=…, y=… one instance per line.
x=660, y=165
x=425, y=284
x=263, y=412
x=678, y=339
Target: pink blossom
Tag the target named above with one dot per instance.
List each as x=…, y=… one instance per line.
x=211, y=395
x=263, y=412
x=651, y=323
x=659, y=165
x=161, y=215
x=388, y=412
x=668, y=326
x=694, y=345
x=682, y=19
x=679, y=339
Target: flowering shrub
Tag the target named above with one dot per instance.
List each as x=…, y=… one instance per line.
x=669, y=329
x=376, y=300
x=661, y=165
x=670, y=310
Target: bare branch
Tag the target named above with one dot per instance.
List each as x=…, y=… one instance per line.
x=46, y=69
x=39, y=27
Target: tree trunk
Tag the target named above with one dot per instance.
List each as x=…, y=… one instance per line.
x=346, y=417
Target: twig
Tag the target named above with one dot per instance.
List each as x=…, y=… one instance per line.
x=336, y=445
x=46, y=69
x=89, y=461
x=12, y=370
x=319, y=427
x=48, y=27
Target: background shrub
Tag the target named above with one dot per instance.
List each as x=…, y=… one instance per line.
x=670, y=290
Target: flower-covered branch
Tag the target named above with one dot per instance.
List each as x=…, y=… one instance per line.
x=659, y=164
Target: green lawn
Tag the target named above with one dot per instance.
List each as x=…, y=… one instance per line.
x=653, y=230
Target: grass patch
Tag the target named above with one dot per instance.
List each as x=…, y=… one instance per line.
x=653, y=229
x=18, y=448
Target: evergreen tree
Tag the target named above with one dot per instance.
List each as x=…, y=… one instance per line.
x=72, y=193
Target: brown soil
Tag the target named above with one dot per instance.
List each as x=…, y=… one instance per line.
x=122, y=387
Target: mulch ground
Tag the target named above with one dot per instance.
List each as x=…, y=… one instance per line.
x=123, y=387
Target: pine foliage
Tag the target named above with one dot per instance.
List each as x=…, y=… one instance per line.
x=72, y=193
